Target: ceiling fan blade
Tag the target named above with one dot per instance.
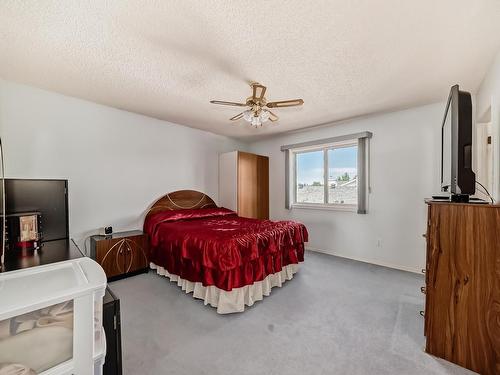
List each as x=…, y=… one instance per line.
x=285, y=103
x=258, y=91
x=228, y=103
x=237, y=117
x=273, y=117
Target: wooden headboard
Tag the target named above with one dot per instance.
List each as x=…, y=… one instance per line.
x=182, y=200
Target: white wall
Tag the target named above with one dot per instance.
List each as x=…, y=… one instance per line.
x=117, y=162
x=404, y=157
x=488, y=110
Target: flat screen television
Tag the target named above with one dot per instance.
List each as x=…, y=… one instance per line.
x=457, y=177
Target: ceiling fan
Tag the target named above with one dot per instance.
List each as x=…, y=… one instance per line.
x=259, y=112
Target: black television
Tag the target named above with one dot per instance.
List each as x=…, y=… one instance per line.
x=457, y=177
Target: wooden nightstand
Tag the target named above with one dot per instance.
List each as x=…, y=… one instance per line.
x=121, y=254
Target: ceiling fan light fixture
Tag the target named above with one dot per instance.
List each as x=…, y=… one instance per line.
x=258, y=113
x=256, y=121
x=248, y=115
x=264, y=115
x=256, y=118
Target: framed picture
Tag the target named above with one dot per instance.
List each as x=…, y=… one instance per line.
x=28, y=228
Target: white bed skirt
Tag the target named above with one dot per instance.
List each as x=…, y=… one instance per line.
x=235, y=300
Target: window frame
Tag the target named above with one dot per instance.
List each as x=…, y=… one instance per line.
x=325, y=148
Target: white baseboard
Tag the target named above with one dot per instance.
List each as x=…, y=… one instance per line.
x=378, y=263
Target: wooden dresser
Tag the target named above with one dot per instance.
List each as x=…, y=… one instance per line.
x=121, y=254
x=462, y=312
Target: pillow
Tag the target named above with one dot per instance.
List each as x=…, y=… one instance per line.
x=177, y=215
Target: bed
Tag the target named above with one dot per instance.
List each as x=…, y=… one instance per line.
x=227, y=261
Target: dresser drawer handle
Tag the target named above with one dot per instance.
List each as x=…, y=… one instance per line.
x=422, y=313
x=422, y=289
x=424, y=270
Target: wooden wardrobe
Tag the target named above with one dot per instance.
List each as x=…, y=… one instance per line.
x=244, y=184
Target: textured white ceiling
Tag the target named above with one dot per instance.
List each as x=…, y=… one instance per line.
x=167, y=59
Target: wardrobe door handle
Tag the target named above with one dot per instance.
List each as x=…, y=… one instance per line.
x=424, y=270
x=422, y=313
x=422, y=289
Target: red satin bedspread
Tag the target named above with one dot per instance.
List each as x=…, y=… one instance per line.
x=216, y=247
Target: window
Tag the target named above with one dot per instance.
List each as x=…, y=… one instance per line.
x=343, y=175
x=330, y=173
x=309, y=172
x=332, y=166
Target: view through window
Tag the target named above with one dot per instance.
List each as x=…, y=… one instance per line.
x=335, y=166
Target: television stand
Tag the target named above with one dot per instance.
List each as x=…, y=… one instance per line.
x=459, y=198
x=462, y=289
x=441, y=197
